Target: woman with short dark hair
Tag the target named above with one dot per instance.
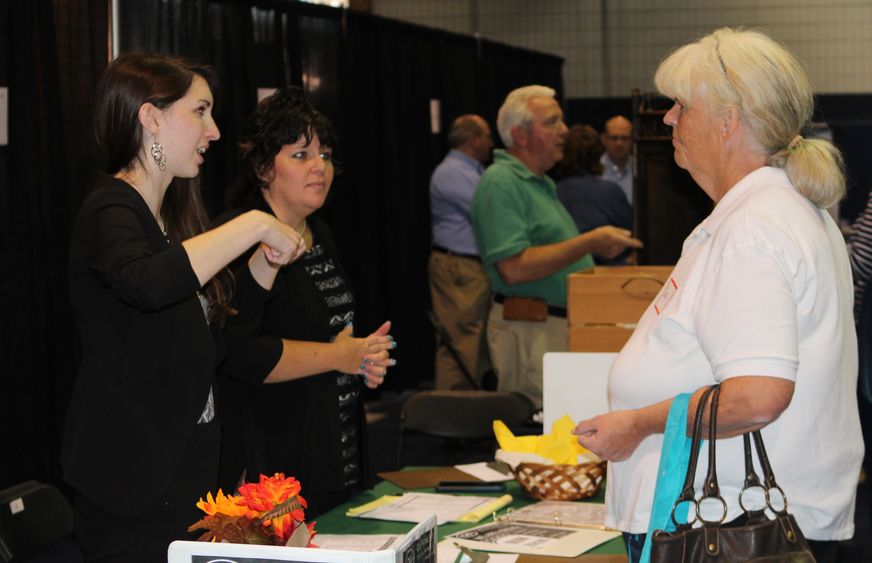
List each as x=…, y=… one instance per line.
x=291, y=388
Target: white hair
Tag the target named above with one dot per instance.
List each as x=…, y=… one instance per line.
x=515, y=113
x=760, y=78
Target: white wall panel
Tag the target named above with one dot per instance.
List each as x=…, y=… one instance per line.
x=609, y=53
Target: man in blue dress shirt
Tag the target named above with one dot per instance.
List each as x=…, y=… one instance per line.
x=459, y=286
x=616, y=160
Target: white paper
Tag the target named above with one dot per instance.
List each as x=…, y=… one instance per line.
x=563, y=513
x=516, y=458
x=356, y=542
x=418, y=545
x=514, y=537
x=575, y=384
x=485, y=473
x=198, y=551
x=415, y=507
x=447, y=552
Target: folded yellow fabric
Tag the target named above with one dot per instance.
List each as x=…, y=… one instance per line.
x=486, y=510
x=560, y=446
x=372, y=505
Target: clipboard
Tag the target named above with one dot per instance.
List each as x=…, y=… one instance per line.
x=586, y=515
x=425, y=478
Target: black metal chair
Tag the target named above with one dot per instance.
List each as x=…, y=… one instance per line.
x=443, y=338
x=36, y=525
x=461, y=416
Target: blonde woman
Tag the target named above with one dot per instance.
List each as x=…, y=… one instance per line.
x=760, y=300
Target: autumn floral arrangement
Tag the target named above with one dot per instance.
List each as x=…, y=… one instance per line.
x=270, y=512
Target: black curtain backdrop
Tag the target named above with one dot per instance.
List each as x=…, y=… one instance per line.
x=48, y=61
x=374, y=77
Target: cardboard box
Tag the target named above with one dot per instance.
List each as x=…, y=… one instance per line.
x=605, y=303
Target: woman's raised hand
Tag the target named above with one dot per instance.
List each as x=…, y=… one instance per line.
x=368, y=357
x=280, y=243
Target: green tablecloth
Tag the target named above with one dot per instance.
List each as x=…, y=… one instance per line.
x=336, y=522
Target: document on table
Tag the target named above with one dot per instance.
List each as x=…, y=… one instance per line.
x=447, y=552
x=356, y=542
x=415, y=507
x=485, y=471
x=562, y=513
x=515, y=537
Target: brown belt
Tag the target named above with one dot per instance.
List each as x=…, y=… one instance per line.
x=529, y=303
x=443, y=250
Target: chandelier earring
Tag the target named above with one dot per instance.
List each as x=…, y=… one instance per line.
x=159, y=155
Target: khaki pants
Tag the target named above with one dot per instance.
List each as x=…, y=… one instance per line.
x=460, y=292
x=517, y=347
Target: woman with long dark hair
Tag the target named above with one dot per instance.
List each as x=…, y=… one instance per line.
x=149, y=287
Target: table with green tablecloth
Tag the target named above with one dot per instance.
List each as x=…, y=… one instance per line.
x=336, y=522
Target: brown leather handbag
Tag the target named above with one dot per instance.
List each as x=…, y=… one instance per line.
x=753, y=536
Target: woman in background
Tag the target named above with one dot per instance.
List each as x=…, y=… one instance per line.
x=308, y=420
x=591, y=201
x=149, y=286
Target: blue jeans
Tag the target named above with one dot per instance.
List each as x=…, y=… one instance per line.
x=634, y=543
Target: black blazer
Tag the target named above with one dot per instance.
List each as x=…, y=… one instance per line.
x=148, y=354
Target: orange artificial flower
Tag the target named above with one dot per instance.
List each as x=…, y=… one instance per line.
x=221, y=504
x=238, y=518
x=270, y=492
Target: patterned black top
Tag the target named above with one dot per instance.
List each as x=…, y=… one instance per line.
x=860, y=252
x=314, y=427
x=340, y=303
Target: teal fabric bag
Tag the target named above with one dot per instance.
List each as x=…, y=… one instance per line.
x=674, y=456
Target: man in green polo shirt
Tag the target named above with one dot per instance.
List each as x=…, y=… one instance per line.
x=528, y=242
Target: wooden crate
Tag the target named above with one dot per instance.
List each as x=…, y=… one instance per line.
x=605, y=303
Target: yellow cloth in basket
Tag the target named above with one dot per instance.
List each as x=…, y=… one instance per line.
x=560, y=446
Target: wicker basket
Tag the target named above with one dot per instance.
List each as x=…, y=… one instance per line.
x=560, y=481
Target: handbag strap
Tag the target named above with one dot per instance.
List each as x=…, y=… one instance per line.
x=768, y=475
x=710, y=487
x=687, y=492
x=751, y=478
x=752, y=481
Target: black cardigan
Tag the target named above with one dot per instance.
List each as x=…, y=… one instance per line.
x=148, y=355
x=290, y=427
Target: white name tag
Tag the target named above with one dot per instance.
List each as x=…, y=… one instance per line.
x=666, y=295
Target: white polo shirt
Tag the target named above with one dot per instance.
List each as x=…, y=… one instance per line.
x=763, y=287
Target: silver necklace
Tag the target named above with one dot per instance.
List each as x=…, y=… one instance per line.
x=160, y=223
